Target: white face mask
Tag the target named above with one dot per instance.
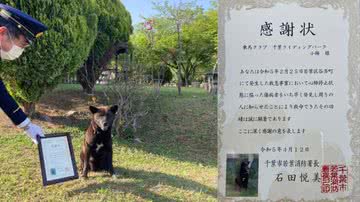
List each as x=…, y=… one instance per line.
x=13, y=53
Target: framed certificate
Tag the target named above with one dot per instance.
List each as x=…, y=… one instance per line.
x=57, y=159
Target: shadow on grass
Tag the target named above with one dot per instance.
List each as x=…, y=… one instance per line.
x=80, y=123
x=145, y=181
x=70, y=99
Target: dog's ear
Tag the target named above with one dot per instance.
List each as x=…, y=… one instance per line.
x=114, y=109
x=93, y=109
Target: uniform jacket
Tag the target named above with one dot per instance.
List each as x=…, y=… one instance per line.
x=10, y=107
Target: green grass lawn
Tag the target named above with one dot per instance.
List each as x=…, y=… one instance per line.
x=175, y=162
x=233, y=191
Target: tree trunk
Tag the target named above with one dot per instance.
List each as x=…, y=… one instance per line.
x=86, y=77
x=178, y=27
x=88, y=89
x=90, y=72
x=186, y=82
x=29, y=108
x=179, y=84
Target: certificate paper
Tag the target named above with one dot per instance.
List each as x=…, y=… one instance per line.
x=57, y=159
x=289, y=100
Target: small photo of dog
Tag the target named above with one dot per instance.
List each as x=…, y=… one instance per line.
x=242, y=175
x=96, y=151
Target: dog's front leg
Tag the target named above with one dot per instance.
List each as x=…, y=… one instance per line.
x=111, y=167
x=86, y=163
x=110, y=163
x=81, y=167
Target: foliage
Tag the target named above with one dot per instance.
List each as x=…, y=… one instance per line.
x=200, y=45
x=114, y=28
x=198, y=42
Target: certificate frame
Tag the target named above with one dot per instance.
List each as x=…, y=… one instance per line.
x=45, y=180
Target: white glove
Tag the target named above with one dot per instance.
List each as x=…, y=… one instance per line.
x=33, y=130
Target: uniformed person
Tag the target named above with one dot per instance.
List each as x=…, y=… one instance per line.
x=17, y=31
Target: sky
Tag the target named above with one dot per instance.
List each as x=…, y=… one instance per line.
x=144, y=8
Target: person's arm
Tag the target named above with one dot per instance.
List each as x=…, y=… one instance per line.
x=11, y=108
x=16, y=114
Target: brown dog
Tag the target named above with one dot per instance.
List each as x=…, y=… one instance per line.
x=96, y=152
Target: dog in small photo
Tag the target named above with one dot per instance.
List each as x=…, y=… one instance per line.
x=242, y=175
x=96, y=151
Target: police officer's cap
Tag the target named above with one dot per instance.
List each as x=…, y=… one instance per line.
x=29, y=27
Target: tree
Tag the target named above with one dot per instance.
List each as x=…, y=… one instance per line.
x=114, y=29
x=62, y=49
x=146, y=49
x=199, y=45
x=179, y=14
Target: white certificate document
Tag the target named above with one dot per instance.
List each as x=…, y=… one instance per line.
x=57, y=159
